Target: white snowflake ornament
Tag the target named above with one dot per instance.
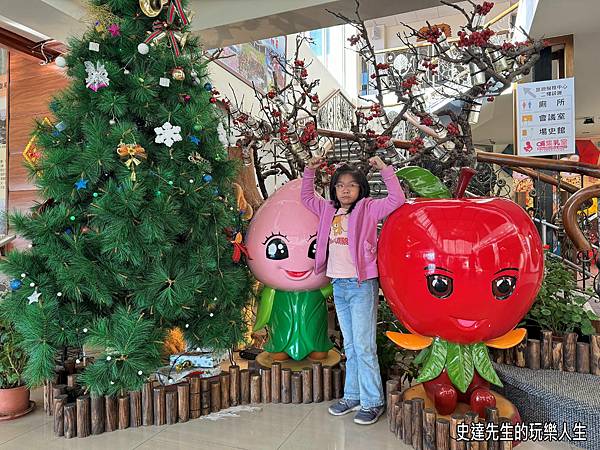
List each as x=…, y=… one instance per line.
x=167, y=134
x=97, y=76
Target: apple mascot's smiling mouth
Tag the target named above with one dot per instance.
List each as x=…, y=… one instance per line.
x=469, y=324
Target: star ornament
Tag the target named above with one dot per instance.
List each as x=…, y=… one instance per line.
x=114, y=29
x=81, y=184
x=194, y=139
x=35, y=297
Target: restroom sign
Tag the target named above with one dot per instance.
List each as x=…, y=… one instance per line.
x=546, y=117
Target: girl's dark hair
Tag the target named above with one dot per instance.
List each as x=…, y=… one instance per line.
x=359, y=177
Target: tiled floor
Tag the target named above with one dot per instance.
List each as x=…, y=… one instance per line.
x=272, y=427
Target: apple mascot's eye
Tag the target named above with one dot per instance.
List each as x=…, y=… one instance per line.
x=439, y=285
x=312, y=249
x=503, y=287
x=276, y=249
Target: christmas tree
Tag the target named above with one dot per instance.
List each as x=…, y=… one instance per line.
x=130, y=240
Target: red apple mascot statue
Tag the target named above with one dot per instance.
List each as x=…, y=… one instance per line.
x=460, y=274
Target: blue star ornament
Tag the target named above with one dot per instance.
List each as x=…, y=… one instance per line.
x=81, y=184
x=194, y=139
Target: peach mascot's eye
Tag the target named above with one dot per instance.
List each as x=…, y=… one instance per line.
x=440, y=286
x=312, y=249
x=277, y=249
x=503, y=287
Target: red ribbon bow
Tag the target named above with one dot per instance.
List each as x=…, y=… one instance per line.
x=161, y=28
x=239, y=248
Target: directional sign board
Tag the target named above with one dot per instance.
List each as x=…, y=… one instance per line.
x=546, y=117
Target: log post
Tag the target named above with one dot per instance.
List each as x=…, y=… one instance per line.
x=135, y=409
x=58, y=412
x=429, y=426
x=492, y=416
x=172, y=406
x=498, y=355
x=394, y=398
x=147, y=404
x=595, y=354
x=266, y=386
x=407, y=421
x=317, y=382
x=557, y=355
x=296, y=388
x=470, y=419
x=72, y=380
x=327, y=391
x=84, y=416
x=123, y=412
x=546, y=350
x=533, y=354
x=397, y=413
x=509, y=356
x=307, y=387
x=570, y=351
x=520, y=351
x=245, y=386
x=286, y=386
x=70, y=420
x=59, y=389
x=234, y=385
x=442, y=434
x=506, y=444
x=48, y=397
x=183, y=399
x=98, y=415
x=215, y=396
x=255, y=394
x=224, y=379
x=160, y=400
x=583, y=357
x=418, y=405
x=337, y=382
x=276, y=382
x=111, y=409
x=200, y=402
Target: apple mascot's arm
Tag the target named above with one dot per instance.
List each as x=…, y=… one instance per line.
x=460, y=360
x=264, y=308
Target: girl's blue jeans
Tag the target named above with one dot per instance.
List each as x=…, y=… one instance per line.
x=356, y=307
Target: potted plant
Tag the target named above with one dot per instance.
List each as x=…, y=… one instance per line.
x=14, y=394
x=559, y=305
x=393, y=360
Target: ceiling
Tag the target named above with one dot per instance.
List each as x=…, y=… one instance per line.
x=217, y=22
x=557, y=18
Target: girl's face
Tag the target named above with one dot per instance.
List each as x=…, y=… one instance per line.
x=347, y=190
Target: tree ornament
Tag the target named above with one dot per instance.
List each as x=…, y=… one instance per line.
x=164, y=82
x=60, y=61
x=167, y=134
x=208, y=87
x=23, y=275
x=132, y=156
x=202, y=163
x=143, y=48
x=15, y=284
x=185, y=98
x=59, y=294
x=94, y=47
x=72, y=218
x=97, y=76
x=35, y=297
x=81, y=184
x=207, y=178
x=197, y=127
x=178, y=74
x=114, y=29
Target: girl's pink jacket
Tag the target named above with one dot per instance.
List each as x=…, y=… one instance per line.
x=362, y=223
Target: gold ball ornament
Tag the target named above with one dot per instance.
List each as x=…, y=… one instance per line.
x=178, y=74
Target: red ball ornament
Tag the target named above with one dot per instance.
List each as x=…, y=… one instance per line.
x=213, y=100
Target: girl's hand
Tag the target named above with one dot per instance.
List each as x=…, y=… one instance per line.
x=377, y=163
x=315, y=162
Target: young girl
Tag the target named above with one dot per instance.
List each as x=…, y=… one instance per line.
x=347, y=251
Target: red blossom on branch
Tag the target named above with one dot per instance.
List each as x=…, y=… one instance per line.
x=484, y=8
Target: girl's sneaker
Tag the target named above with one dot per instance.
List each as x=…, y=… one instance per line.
x=344, y=406
x=367, y=416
